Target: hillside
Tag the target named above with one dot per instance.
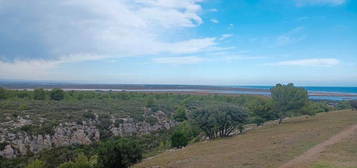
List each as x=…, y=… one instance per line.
x=272, y=146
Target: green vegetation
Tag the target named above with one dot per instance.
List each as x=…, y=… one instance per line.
x=120, y=153
x=198, y=117
x=36, y=164
x=179, y=139
x=57, y=94
x=39, y=94
x=269, y=146
x=180, y=114
x=288, y=100
x=354, y=104
x=219, y=120
x=81, y=161
x=2, y=93
x=262, y=111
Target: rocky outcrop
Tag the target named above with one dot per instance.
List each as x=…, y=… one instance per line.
x=71, y=133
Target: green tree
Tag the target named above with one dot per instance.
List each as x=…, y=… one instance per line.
x=119, y=153
x=57, y=94
x=219, y=120
x=353, y=104
x=36, y=164
x=81, y=161
x=262, y=111
x=179, y=139
x=2, y=93
x=180, y=114
x=190, y=130
x=150, y=102
x=288, y=99
x=39, y=94
x=23, y=94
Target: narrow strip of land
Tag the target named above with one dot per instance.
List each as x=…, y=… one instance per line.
x=314, y=152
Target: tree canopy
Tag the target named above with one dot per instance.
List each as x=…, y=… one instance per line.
x=288, y=99
x=219, y=120
x=39, y=94
x=2, y=93
x=119, y=153
x=354, y=104
x=57, y=94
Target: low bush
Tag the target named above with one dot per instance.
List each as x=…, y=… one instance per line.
x=57, y=94
x=119, y=153
x=353, y=104
x=179, y=139
x=36, y=164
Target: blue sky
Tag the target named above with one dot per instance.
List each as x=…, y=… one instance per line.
x=212, y=42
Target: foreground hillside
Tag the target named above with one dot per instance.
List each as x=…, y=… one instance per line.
x=272, y=146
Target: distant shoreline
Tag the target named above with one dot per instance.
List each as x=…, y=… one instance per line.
x=239, y=91
x=186, y=89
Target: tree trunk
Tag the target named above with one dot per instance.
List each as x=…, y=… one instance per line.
x=280, y=120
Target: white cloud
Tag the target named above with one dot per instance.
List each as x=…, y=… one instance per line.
x=111, y=28
x=40, y=69
x=34, y=70
x=319, y=2
x=310, y=62
x=178, y=60
x=215, y=21
x=225, y=36
x=292, y=36
x=85, y=30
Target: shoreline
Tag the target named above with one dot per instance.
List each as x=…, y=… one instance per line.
x=224, y=91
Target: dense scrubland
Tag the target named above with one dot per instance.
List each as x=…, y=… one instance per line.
x=198, y=118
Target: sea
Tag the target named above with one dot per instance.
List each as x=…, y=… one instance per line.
x=343, y=93
x=315, y=92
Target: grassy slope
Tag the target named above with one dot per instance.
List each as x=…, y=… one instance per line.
x=268, y=146
x=340, y=155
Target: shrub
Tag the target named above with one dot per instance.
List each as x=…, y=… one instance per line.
x=36, y=164
x=151, y=120
x=179, y=140
x=3, y=145
x=80, y=162
x=23, y=107
x=23, y=94
x=342, y=105
x=57, y=94
x=47, y=128
x=180, y=114
x=354, y=104
x=189, y=129
x=288, y=99
x=2, y=93
x=119, y=153
x=262, y=111
x=39, y=94
x=89, y=115
x=219, y=120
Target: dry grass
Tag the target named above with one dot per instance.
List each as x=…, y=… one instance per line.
x=265, y=147
x=340, y=155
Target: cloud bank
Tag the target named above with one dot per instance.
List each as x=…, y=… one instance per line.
x=178, y=60
x=319, y=2
x=55, y=29
x=310, y=62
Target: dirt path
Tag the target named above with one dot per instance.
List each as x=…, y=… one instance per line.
x=314, y=152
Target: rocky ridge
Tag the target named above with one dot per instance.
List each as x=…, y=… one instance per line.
x=20, y=143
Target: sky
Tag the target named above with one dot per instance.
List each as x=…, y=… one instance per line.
x=203, y=42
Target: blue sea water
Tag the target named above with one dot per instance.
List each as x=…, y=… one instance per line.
x=346, y=90
x=314, y=88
